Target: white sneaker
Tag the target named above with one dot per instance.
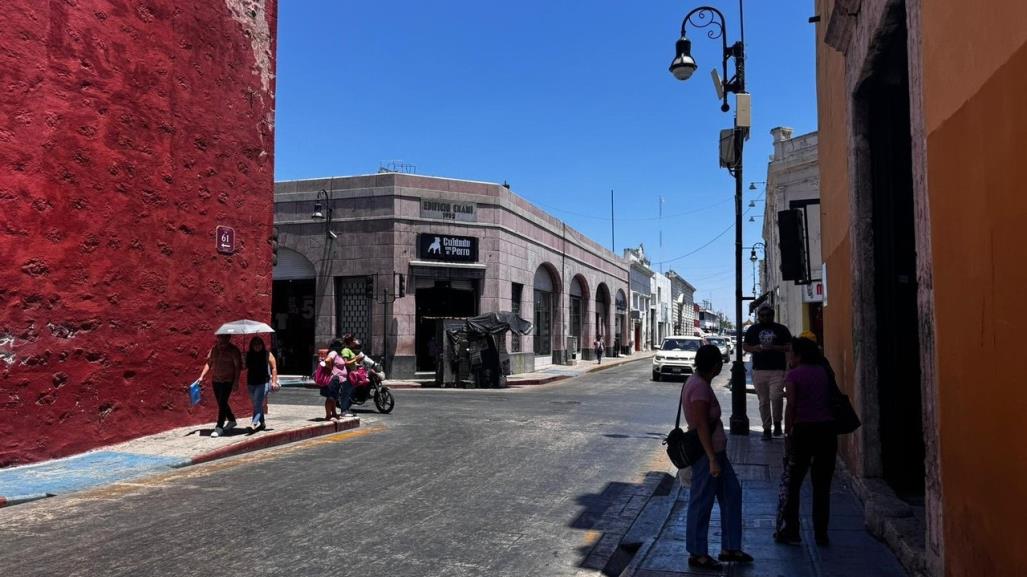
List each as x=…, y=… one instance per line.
x=230, y=425
x=348, y=415
x=218, y=431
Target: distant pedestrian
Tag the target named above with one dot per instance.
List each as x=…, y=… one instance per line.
x=768, y=342
x=261, y=374
x=600, y=347
x=811, y=442
x=713, y=477
x=224, y=362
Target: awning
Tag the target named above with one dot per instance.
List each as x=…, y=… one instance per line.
x=755, y=304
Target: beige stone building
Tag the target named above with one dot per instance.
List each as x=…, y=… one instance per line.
x=459, y=248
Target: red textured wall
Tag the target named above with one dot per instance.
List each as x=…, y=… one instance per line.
x=130, y=130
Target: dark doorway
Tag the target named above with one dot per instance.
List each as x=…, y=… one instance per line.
x=885, y=98
x=447, y=299
x=292, y=314
x=816, y=320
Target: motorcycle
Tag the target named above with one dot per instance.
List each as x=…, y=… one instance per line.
x=375, y=389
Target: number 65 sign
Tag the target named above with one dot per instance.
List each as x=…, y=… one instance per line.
x=225, y=239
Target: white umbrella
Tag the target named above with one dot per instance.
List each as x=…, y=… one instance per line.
x=243, y=327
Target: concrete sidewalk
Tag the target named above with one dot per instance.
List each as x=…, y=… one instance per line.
x=648, y=540
x=170, y=449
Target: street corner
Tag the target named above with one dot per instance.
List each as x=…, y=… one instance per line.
x=276, y=438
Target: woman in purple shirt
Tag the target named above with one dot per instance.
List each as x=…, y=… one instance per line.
x=812, y=442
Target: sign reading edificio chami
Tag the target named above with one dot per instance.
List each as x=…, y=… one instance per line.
x=448, y=210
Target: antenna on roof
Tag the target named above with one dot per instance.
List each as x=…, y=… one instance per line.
x=396, y=166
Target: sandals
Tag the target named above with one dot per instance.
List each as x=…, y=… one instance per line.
x=703, y=562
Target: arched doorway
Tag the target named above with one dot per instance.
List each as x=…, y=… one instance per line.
x=620, y=320
x=578, y=303
x=546, y=290
x=293, y=313
x=602, y=314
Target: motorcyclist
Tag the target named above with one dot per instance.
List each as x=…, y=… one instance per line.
x=360, y=368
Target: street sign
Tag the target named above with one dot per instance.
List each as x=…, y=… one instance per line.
x=447, y=247
x=225, y=239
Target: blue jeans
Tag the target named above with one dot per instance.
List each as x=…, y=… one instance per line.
x=705, y=488
x=257, y=395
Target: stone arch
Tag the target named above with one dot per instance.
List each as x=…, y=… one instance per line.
x=602, y=314
x=579, y=325
x=292, y=265
x=620, y=324
x=546, y=290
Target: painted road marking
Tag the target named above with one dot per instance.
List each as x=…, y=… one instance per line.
x=119, y=489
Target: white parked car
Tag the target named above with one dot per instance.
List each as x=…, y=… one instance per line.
x=676, y=356
x=723, y=344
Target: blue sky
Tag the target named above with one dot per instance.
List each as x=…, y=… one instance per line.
x=564, y=100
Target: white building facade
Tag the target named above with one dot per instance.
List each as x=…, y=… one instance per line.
x=793, y=184
x=660, y=312
x=682, y=297
x=640, y=285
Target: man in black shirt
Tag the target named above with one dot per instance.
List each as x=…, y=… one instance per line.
x=768, y=342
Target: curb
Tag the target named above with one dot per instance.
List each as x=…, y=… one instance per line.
x=273, y=440
x=19, y=499
x=595, y=369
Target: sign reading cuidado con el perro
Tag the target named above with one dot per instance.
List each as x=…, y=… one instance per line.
x=447, y=247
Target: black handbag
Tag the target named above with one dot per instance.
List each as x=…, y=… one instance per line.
x=683, y=447
x=845, y=418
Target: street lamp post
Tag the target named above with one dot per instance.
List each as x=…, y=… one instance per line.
x=754, y=259
x=323, y=210
x=682, y=68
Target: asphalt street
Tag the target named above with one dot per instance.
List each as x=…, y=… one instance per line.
x=453, y=482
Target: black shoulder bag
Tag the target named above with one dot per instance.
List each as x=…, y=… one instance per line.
x=845, y=418
x=683, y=447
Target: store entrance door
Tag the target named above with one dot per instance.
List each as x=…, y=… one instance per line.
x=292, y=314
x=446, y=299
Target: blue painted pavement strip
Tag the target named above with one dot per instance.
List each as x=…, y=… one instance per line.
x=80, y=472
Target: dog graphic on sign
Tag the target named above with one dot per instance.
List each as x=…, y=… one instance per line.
x=435, y=247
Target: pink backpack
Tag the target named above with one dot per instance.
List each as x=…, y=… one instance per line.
x=358, y=377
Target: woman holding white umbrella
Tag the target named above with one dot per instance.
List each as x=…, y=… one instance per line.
x=224, y=362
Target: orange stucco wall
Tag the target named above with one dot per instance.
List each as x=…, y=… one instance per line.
x=976, y=174
x=833, y=153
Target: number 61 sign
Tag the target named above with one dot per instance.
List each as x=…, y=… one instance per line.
x=225, y=239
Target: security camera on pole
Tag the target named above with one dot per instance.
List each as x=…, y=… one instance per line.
x=731, y=147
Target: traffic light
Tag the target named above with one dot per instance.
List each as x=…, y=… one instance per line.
x=274, y=246
x=402, y=286
x=369, y=288
x=792, y=244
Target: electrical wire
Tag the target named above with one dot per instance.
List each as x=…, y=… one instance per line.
x=711, y=241
x=637, y=218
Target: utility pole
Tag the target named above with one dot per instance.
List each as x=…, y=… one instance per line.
x=387, y=297
x=613, y=228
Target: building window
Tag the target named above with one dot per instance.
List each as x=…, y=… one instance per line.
x=516, y=294
x=353, y=309
x=576, y=319
x=545, y=285
x=543, y=318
